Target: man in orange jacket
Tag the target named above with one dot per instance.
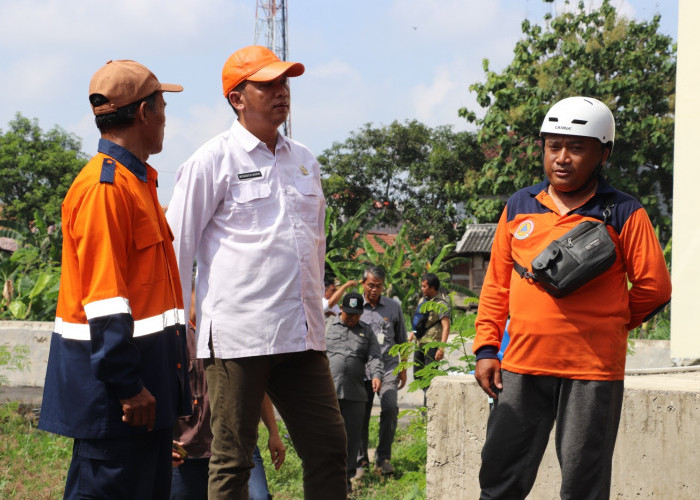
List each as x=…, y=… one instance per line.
x=116, y=378
x=566, y=359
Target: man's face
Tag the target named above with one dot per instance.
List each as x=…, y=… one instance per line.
x=349, y=319
x=330, y=290
x=155, y=131
x=265, y=104
x=373, y=287
x=570, y=160
x=427, y=290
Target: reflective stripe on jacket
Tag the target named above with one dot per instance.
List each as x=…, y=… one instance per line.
x=120, y=323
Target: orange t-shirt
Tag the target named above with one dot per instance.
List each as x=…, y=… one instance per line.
x=584, y=334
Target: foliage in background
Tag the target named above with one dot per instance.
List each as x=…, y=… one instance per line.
x=31, y=275
x=344, y=237
x=414, y=171
x=36, y=169
x=458, y=355
x=349, y=251
x=627, y=64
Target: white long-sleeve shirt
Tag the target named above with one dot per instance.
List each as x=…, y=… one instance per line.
x=255, y=223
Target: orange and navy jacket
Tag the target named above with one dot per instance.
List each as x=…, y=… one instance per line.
x=120, y=323
x=584, y=334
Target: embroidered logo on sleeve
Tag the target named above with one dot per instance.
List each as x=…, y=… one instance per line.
x=249, y=175
x=524, y=230
x=304, y=170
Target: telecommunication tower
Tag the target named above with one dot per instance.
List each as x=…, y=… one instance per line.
x=271, y=32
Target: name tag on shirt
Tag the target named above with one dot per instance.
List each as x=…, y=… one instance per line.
x=249, y=175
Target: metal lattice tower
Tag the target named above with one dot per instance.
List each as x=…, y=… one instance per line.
x=271, y=32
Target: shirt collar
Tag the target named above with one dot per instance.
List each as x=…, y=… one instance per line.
x=250, y=142
x=602, y=188
x=380, y=302
x=125, y=157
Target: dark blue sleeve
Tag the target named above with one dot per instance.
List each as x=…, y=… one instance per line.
x=487, y=352
x=114, y=358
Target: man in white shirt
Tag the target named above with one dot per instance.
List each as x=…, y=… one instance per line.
x=248, y=206
x=333, y=294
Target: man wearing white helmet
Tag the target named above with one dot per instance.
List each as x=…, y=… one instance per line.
x=566, y=358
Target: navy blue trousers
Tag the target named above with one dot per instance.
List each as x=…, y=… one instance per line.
x=129, y=468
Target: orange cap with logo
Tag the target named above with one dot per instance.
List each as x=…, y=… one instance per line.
x=124, y=82
x=257, y=64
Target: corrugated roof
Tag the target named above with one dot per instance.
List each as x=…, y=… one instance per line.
x=477, y=238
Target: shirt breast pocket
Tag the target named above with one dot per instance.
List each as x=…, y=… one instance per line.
x=360, y=345
x=251, y=205
x=310, y=199
x=151, y=256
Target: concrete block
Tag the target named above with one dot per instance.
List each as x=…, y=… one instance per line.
x=35, y=335
x=655, y=454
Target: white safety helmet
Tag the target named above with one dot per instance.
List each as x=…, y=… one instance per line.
x=583, y=116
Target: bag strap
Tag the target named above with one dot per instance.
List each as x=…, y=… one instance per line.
x=523, y=272
x=607, y=212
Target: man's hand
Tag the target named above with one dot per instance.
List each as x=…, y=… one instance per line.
x=178, y=459
x=277, y=450
x=488, y=374
x=140, y=410
x=376, y=384
x=439, y=354
x=402, y=379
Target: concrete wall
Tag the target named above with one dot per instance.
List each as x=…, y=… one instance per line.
x=656, y=452
x=35, y=335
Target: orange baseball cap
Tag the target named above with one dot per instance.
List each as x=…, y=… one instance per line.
x=124, y=82
x=257, y=64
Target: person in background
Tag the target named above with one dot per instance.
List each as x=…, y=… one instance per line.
x=385, y=318
x=351, y=348
x=249, y=206
x=435, y=313
x=116, y=379
x=565, y=362
x=192, y=436
x=332, y=295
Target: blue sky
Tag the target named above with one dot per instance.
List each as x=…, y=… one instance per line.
x=367, y=61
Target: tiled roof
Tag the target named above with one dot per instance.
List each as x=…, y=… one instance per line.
x=387, y=238
x=8, y=244
x=477, y=238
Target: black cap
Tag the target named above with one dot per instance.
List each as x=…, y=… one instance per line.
x=353, y=303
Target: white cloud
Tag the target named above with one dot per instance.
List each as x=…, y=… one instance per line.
x=427, y=99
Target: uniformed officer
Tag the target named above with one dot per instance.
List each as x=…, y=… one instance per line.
x=351, y=345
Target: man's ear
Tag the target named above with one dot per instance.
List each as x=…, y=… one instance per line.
x=237, y=100
x=143, y=112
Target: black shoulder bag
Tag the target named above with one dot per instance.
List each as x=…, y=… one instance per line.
x=573, y=260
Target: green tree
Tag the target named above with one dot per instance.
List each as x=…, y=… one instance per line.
x=415, y=172
x=344, y=238
x=30, y=276
x=628, y=65
x=36, y=169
